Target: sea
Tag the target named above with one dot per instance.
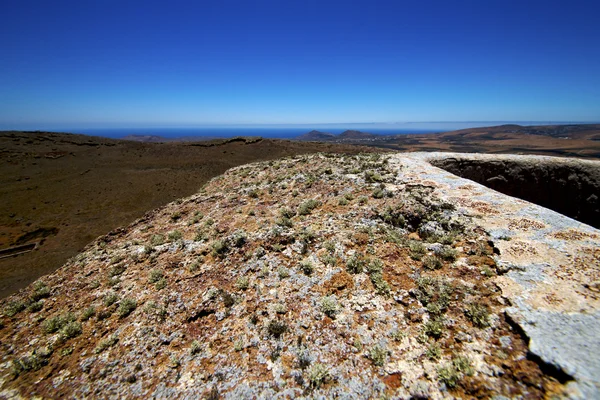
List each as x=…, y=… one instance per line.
x=288, y=131
x=271, y=133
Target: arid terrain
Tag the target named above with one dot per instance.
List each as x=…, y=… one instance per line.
x=581, y=141
x=62, y=191
x=320, y=276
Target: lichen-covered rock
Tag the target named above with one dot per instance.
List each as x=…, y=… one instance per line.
x=317, y=276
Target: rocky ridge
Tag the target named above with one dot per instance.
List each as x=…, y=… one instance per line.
x=319, y=276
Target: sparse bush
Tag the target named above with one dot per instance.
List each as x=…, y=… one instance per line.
x=219, y=248
x=126, y=307
x=117, y=270
x=40, y=291
x=283, y=272
x=303, y=358
x=417, y=250
x=88, y=313
x=372, y=177
x=463, y=365
x=14, y=307
x=35, y=306
x=343, y=202
x=330, y=306
x=239, y=239
x=447, y=253
x=317, y=375
x=432, y=263
x=57, y=322
x=106, y=343
x=242, y=283
x=356, y=263
x=195, y=347
x=362, y=200
x=286, y=212
x=157, y=240
x=378, y=193
x=378, y=355
x=329, y=259
x=70, y=330
x=276, y=328
x=307, y=207
x=434, y=352
x=434, y=327
x=176, y=216
x=449, y=376
x=110, y=299
x=174, y=235
x=478, y=314
x=307, y=267
x=285, y=222
x=155, y=275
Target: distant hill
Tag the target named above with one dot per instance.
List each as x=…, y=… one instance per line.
x=316, y=136
x=354, y=135
x=346, y=136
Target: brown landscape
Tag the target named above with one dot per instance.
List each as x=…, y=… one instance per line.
x=582, y=141
x=61, y=191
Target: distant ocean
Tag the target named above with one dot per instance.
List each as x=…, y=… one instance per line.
x=272, y=133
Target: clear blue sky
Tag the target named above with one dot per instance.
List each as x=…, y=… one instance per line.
x=119, y=63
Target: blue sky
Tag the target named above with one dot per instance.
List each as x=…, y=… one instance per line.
x=188, y=63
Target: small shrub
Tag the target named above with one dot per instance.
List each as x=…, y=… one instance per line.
x=195, y=347
x=343, y=202
x=174, y=235
x=161, y=284
x=228, y=299
x=317, y=375
x=276, y=328
x=303, y=358
x=375, y=266
x=330, y=306
x=449, y=376
x=35, y=306
x=478, y=314
x=117, y=270
x=356, y=263
x=239, y=239
x=434, y=327
x=434, y=352
x=14, y=307
x=363, y=200
x=242, y=283
x=157, y=240
x=417, y=250
x=126, y=307
x=378, y=355
x=307, y=267
x=88, y=313
x=285, y=222
x=110, y=299
x=462, y=364
x=219, y=248
x=307, y=207
x=57, y=322
x=447, y=253
x=372, y=177
x=70, y=330
x=106, y=343
x=329, y=259
x=432, y=263
x=381, y=286
x=286, y=212
x=378, y=193
x=40, y=291
x=283, y=272
x=176, y=216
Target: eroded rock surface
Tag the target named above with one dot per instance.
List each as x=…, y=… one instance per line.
x=319, y=276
